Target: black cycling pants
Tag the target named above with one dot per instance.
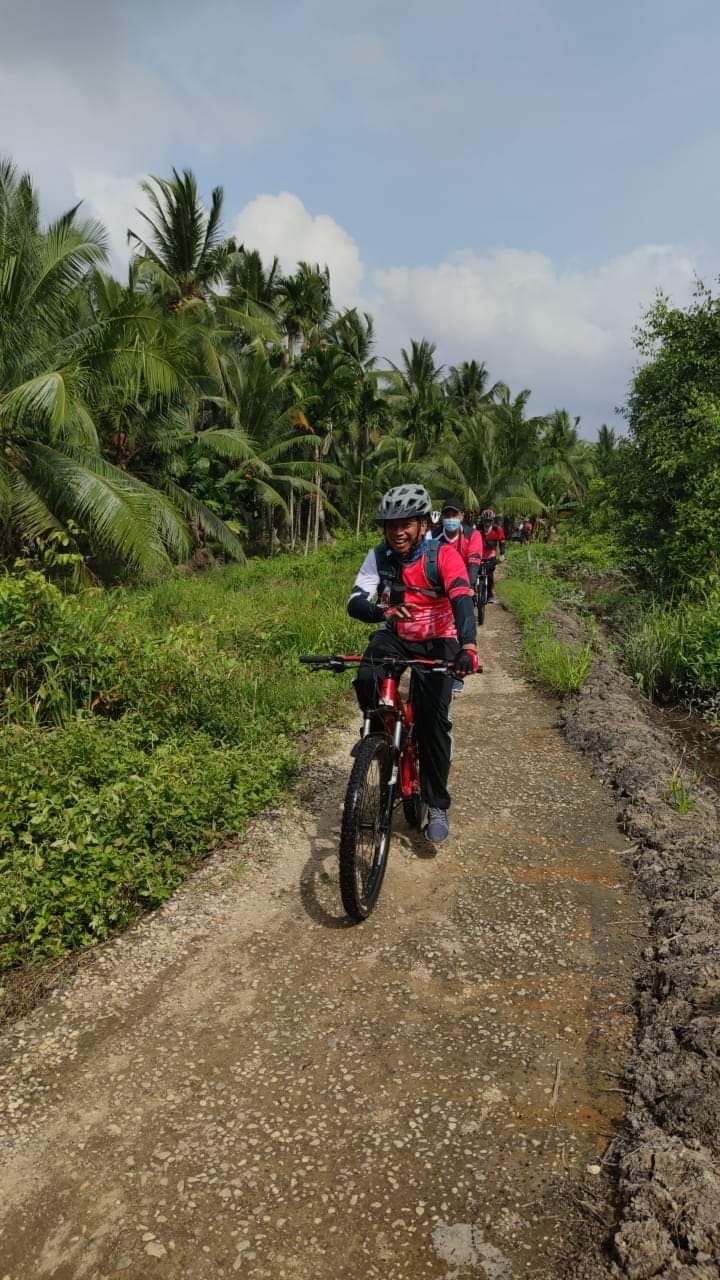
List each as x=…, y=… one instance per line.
x=431, y=697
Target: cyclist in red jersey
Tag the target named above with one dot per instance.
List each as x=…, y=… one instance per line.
x=419, y=591
x=493, y=536
x=467, y=540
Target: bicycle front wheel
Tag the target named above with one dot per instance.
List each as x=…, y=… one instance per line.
x=366, y=827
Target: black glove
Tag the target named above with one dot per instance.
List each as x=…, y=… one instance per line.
x=465, y=663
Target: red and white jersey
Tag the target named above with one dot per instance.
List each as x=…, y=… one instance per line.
x=431, y=607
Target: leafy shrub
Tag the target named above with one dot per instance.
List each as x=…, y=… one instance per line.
x=96, y=824
x=54, y=653
x=142, y=725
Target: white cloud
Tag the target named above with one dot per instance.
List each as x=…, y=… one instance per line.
x=281, y=225
x=114, y=200
x=565, y=333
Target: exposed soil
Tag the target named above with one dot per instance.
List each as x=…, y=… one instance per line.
x=242, y=1084
x=668, y=1155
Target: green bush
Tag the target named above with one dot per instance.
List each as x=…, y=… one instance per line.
x=96, y=824
x=143, y=725
x=55, y=650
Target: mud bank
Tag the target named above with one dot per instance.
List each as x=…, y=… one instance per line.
x=667, y=1157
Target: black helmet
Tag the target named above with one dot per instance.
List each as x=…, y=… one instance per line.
x=404, y=502
x=452, y=504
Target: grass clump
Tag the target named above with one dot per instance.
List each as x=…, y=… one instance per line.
x=530, y=592
x=529, y=599
x=139, y=728
x=679, y=795
x=561, y=666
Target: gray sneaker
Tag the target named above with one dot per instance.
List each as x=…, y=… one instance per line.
x=458, y=686
x=438, y=827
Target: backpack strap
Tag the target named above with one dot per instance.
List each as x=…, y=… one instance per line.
x=389, y=571
x=431, y=551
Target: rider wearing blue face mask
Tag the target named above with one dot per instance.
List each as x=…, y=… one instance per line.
x=467, y=541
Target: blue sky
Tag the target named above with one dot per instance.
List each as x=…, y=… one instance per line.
x=512, y=180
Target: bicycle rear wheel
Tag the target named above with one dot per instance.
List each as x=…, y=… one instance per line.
x=366, y=827
x=481, y=601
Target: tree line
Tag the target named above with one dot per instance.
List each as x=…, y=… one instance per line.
x=212, y=400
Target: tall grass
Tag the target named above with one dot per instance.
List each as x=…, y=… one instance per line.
x=561, y=666
x=529, y=592
x=675, y=649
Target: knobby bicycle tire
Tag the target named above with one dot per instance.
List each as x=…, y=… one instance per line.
x=366, y=827
x=481, y=601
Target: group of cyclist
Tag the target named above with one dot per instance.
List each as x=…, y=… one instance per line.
x=418, y=584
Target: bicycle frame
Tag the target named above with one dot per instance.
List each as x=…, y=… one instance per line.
x=398, y=716
x=387, y=753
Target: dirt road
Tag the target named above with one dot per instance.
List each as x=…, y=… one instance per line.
x=243, y=1085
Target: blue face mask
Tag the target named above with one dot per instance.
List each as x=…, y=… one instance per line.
x=451, y=526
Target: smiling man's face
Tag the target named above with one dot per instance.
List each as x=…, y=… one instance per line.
x=402, y=535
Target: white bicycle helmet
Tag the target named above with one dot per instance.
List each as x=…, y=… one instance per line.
x=403, y=502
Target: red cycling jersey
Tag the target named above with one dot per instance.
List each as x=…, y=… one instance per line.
x=469, y=544
x=493, y=542
x=430, y=604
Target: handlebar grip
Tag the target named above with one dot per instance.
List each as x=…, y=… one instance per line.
x=310, y=660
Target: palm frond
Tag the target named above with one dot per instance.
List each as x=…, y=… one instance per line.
x=211, y=524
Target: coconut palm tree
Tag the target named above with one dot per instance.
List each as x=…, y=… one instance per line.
x=565, y=460
x=414, y=391
x=466, y=387
x=305, y=305
x=185, y=255
x=65, y=366
x=478, y=465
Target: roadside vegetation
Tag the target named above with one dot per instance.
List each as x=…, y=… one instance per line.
x=140, y=727
x=530, y=591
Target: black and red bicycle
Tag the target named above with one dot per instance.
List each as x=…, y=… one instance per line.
x=385, y=773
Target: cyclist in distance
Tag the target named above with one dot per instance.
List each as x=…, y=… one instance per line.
x=466, y=540
x=419, y=591
x=493, y=536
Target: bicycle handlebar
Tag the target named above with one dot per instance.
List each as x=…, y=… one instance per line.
x=338, y=662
